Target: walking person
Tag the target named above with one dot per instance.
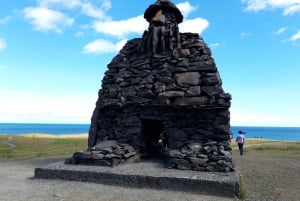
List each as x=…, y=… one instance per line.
x=240, y=140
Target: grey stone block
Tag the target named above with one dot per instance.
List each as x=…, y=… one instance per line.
x=150, y=174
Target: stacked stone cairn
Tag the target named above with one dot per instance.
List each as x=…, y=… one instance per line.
x=162, y=98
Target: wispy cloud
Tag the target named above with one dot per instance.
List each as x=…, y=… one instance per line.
x=70, y=4
x=244, y=35
x=79, y=34
x=2, y=44
x=103, y=46
x=90, y=10
x=292, y=9
x=289, y=7
x=4, y=20
x=44, y=19
x=87, y=7
x=296, y=36
x=106, y=4
x=214, y=45
x=280, y=31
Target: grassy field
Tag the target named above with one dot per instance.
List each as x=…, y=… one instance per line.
x=32, y=146
x=261, y=147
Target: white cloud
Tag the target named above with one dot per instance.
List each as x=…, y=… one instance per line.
x=280, y=31
x=197, y=25
x=2, y=44
x=214, y=45
x=255, y=5
x=292, y=9
x=49, y=15
x=79, y=34
x=87, y=8
x=60, y=3
x=106, y=4
x=186, y=8
x=296, y=36
x=289, y=7
x=20, y=106
x=44, y=19
x=91, y=11
x=137, y=25
x=244, y=35
x=102, y=46
x=122, y=28
x=4, y=20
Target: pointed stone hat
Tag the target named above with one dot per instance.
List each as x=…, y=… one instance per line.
x=163, y=4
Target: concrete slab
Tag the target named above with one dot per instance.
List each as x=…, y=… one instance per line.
x=146, y=174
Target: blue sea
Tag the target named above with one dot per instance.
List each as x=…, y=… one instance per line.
x=275, y=133
x=56, y=129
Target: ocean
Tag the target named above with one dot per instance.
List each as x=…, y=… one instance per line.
x=55, y=129
x=275, y=133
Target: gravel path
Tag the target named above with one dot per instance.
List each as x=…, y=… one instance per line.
x=265, y=178
x=270, y=178
x=17, y=184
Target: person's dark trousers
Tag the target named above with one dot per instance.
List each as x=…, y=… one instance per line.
x=241, y=148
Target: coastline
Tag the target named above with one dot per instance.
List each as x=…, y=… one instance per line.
x=85, y=135
x=43, y=135
x=266, y=140
x=290, y=134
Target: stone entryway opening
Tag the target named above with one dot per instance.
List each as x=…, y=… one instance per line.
x=153, y=136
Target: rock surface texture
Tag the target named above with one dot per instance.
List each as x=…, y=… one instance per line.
x=162, y=95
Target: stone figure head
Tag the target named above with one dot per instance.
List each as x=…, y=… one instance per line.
x=163, y=33
x=165, y=5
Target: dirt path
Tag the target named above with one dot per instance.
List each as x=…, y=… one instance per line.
x=8, y=142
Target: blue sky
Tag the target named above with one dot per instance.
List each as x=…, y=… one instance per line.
x=53, y=54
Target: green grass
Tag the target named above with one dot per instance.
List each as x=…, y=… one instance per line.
x=270, y=148
x=27, y=147
x=31, y=147
x=243, y=193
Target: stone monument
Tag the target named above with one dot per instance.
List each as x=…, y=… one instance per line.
x=161, y=96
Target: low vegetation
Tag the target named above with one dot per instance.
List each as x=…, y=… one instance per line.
x=260, y=147
x=31, y=147
x=243, y=192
